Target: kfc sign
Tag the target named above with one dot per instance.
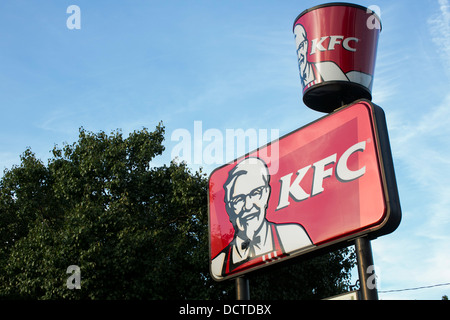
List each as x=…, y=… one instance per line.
x=336, y=46
x=332, y=182
x=318, y=44
x=343, y=173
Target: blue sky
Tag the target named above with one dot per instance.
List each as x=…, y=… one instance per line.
x=232, y=64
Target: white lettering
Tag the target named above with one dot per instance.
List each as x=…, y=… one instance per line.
x=320, y=173
x=74, y=281
x=240, y=136
x=196, y=310
x=374, y=280
x=334, y=41
x=226, y=309
x=271, y=152
x=198, y=142
x=246, y=309
x=213, y=146
x=347, y=46
x=73, y=21
x=213, y=152
x=318, y=45
x=183, y=149
x=294, y=189
x=372, y=21
x=343, y=174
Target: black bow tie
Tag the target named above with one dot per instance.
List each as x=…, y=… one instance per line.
x=250, y=243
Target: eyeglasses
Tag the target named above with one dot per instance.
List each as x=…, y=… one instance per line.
x=301, y=45
x=238, y=202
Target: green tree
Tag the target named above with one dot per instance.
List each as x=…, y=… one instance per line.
x=135, y=231
x=310, y=279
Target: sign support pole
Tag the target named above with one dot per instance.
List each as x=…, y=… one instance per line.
x=364, y=260
x=242, y=289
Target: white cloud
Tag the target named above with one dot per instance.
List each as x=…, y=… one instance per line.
x=417, y=253
x=440, y=31
x=422, y=153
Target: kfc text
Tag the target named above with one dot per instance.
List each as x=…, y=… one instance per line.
x=333, y=41
x=343, y=174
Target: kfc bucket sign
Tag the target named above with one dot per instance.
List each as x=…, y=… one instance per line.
x=336, y=49
x=333, y=181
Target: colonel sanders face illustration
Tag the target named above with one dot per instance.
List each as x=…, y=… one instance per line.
x=256, y=240
x=322, y=71
x=302, y=49
x=247, y=193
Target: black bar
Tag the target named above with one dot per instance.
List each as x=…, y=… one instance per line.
x=364, y=260
x=242, y=289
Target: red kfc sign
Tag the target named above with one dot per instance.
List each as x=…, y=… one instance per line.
x=336, y=50
x=331, y=181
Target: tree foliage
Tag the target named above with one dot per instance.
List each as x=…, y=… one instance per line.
x=135, y=231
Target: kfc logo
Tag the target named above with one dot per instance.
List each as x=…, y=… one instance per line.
x=247, y=193
x=318, y=44
x=326, y=186
x=322, y=169
x=314, y=73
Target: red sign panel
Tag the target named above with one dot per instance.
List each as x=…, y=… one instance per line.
x=325, y=183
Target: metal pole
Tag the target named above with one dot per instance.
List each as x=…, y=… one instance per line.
x=364, y=260
x=242, y=289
